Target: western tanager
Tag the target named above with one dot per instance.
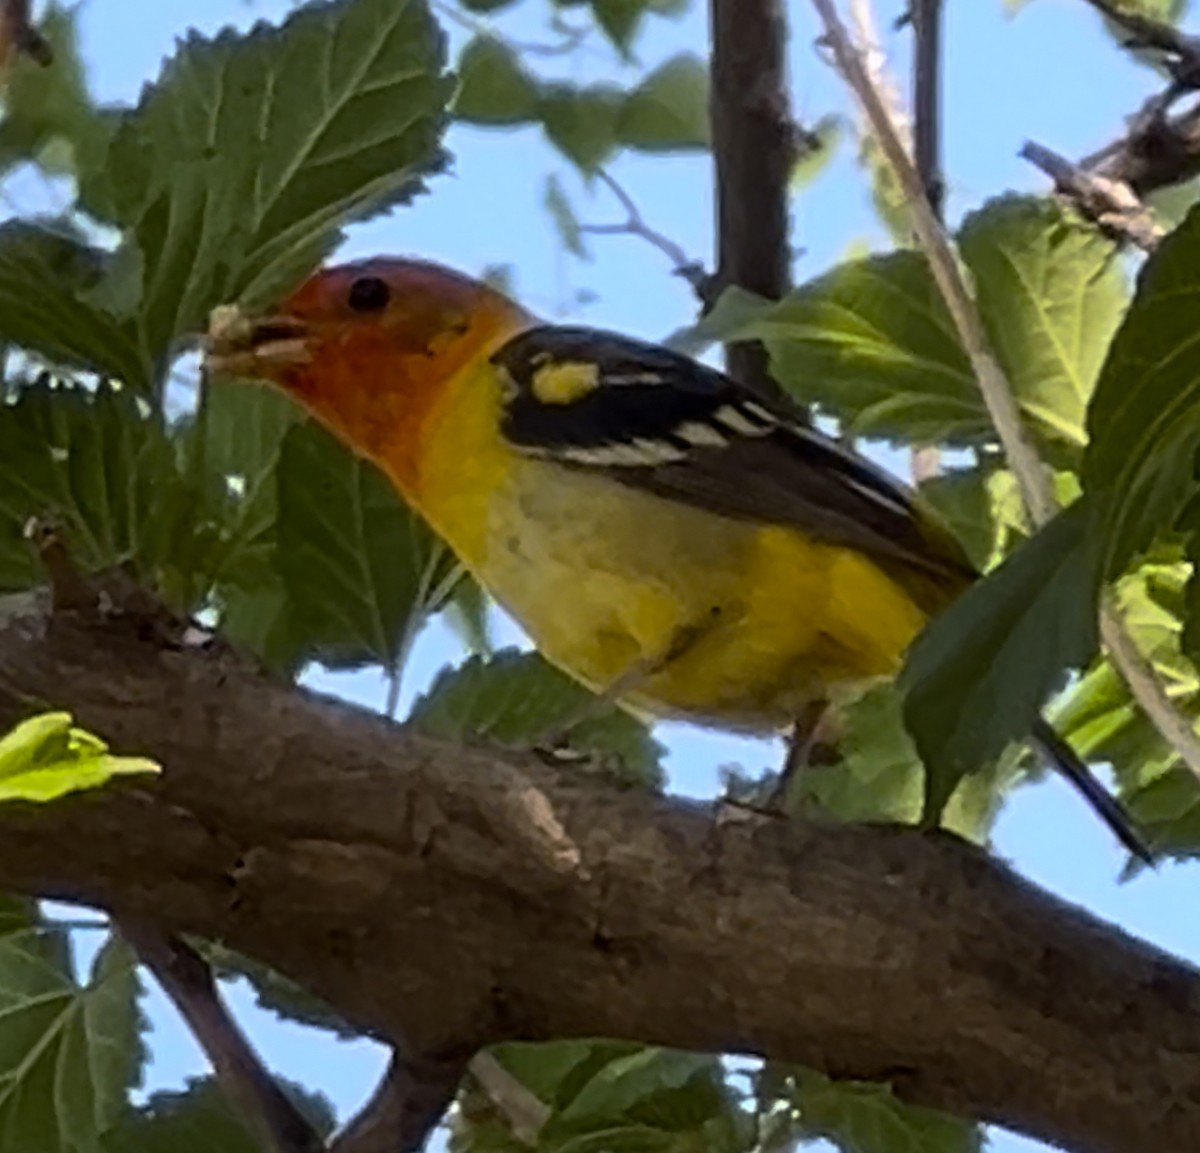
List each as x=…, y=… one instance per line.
x=661, y=532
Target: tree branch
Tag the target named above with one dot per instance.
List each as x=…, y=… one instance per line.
x=927, y=100
x=635, y=225
x=1033, y=478
x=189, y=983
x=18, y=34
x=1111, y=204
x=411, y=1100
x=752, y=138
x=454, y=898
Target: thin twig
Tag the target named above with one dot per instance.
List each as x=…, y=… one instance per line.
x=189, y=983
x=525, y=1113
x=927, y=100
x=635, y=225
x=395, y=678
x=1112, y=204
x=997, y=394
x=572, y=36
x=925, y=460
x=1147, y=32
x=1032, y=478
x=1145, y=686
x=17, y=34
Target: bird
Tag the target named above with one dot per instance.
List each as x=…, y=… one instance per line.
x=666, y=535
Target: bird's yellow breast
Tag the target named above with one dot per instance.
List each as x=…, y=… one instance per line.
x=604, y=577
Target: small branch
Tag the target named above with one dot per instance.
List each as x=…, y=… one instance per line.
x=753, y=141
x=525, y=1113
x=997, y=394
x=572, y=36
x=1145, y=686
x=1182, y=50
x=1110, y=203
x=189, y=983
x=927, y=100
x=635, y=225
x=411, y=1100
x=1032, y=478
x=925, y=460
x=17, y=34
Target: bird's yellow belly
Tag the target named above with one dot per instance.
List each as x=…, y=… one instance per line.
x=725, y=622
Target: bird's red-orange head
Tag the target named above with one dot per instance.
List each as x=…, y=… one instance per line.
x=368, y=347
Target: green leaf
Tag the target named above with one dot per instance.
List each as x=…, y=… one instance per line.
x=562, y=214
x=466, y=613
x=737, y=312
x=362, y=572
x=864, y=1118
x=978, y=675
x=485, y=7
x=1144, y=420
x=235, y=447
x=48, y=116
x=668, y=110
x=819, y=148
x=1051, y=292
x=606, y=1096
x=871, y=344
x=242, y=161
x=46, y=757
x=516, y=696
x=199, y=1120
x=582, y=122
x=620, y=20
x=644, y=1086
x=888, y=197
x=98, y=462
x=494, y=87
x=275, y=992
x=1099, y=718
x=69, y=1053
x=46, y=273
x=880, y=778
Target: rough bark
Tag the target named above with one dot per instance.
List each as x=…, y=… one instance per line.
x=449, y=897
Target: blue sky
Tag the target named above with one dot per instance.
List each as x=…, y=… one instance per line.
x=1049, y=74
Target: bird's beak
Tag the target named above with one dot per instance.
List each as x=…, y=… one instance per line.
x=241, y=345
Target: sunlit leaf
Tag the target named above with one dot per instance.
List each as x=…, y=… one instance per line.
x=46, y=756
x=816, y=151
x=879, y=777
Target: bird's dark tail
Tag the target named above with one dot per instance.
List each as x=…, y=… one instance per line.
x=1067, y=761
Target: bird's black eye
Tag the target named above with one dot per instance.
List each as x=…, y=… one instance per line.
x=369, y=294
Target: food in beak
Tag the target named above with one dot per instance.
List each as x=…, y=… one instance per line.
x=242, y=345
